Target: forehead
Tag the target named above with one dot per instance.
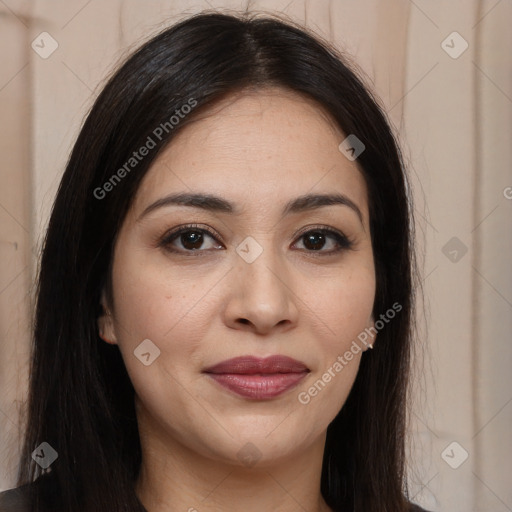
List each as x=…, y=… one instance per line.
x=261, y=147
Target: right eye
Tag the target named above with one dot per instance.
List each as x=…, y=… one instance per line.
x=190, y=237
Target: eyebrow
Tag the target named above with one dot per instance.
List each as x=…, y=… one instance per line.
x=213, y=203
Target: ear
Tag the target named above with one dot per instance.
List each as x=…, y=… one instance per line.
x=106, y=323
x=372, y=333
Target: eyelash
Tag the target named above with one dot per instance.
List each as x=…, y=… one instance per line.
x=344, y=242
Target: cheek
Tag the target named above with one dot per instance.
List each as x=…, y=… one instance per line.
x=343, y=307
x=152, y=305
x=154, y=299
x=341, y=312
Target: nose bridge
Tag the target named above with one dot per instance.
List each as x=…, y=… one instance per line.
x=259, y=272
x=262, y=274
x=261, y=293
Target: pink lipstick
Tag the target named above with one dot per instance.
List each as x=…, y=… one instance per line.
x=256, y=378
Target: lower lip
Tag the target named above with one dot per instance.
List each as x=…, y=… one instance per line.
x=258, y=386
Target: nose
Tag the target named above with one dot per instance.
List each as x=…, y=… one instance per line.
x=261, y=298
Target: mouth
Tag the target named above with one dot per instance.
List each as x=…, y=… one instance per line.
x=256, y=378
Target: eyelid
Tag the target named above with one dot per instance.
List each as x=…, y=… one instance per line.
x=344, y=242
x=317, y=227
x=164, y=241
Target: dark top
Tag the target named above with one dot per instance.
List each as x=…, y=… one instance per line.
x=18, y=499
x=14, y=500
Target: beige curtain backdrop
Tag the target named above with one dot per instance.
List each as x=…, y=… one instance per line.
x=444, y=73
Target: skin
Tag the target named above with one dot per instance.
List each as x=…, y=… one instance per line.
x=258, y=150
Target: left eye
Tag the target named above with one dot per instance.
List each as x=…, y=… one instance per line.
x=316, y=239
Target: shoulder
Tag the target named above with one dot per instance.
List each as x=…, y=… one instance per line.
x=20, y=498
x=16, y=500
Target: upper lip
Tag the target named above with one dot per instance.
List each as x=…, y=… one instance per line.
x=249, y=365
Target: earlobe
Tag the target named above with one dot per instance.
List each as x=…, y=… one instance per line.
x=372, y=333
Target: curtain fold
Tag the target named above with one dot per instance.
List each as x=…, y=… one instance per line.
x=15, y=227
x=492, y=268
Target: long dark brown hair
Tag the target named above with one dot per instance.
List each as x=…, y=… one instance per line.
x=81, y=400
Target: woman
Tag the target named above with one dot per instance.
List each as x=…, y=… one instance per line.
x=230, y=239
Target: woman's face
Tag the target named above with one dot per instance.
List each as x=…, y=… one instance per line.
x=250, y=275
